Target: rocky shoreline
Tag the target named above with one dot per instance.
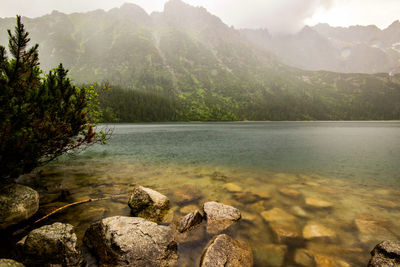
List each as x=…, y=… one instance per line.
x=150, y=238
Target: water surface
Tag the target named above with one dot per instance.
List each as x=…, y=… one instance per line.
x=352, y=165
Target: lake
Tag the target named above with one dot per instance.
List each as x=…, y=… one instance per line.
x=341, y=179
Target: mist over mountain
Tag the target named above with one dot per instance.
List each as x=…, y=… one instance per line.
x=201, y=69
x=355, y=49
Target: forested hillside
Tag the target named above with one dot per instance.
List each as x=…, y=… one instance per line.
x=186, y=64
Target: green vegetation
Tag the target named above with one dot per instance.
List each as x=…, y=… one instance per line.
x=121, y=105
x=355, y=97
x=40, y=117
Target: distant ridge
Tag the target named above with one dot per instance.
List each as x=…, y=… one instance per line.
x=353, y=49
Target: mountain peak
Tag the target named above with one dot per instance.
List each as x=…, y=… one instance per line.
x=395, y=24
x=183, y=14
x=307, y=31
x=131, y=7
x=179, y=6
x=131, y=12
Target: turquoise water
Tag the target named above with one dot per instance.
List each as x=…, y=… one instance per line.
x=367, y=151
x=354, y=166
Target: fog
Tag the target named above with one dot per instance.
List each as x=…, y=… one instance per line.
x=283, y=16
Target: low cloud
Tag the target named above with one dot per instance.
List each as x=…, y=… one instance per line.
x=279, y=17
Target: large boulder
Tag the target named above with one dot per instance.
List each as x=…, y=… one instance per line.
x=51, y=245
x=17, y=203
x=149, y=204
x=219, y=216
x=10, y=263
x=224, y=251
x=131, y=241
x=385, y=254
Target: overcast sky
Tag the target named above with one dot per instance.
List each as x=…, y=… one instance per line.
x=276, y=15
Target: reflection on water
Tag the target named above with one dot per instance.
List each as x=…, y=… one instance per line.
x=297, y=216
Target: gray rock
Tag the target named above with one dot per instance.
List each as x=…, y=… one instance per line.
x=131, y=241
x=149, y=204
x=17, y=203
x=10, y=263
x=224, y=251
x=385, y=254
x=51, y=245
x=219, y=216
x=189, y=221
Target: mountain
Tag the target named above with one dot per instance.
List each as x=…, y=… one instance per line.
x=188, y=64
x=355, y=49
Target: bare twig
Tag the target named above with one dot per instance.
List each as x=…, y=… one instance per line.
x=67, y=206
x=74, y=204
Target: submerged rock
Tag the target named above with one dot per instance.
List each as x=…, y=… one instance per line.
x=186, y=194
x=224, y=251
x=189, y=221
x=248, y=216
x=219, y=216
x=372, y=228
x=196, y=234
x=316, y=230
x=322, y=260
x=245, y=197
x=231, y=187
x=282, y=224
x=10, y=263
x=289, y=192
x=285, y=230
x=257, y=206
x=17, y=203
x=131, y=241
x=149, y=204
x=300, y=212
x=277, y=214
x=51, y=245
x=318, y=203
x=385, y=254
x=271, y=254
x=218, y=176
x=305, y=257
x=264, y=194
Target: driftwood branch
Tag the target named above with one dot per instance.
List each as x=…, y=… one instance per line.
x=67, y=206
x=74, y=204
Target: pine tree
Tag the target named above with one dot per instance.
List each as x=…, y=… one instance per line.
x=40, y=117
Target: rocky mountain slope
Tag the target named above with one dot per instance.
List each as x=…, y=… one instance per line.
x=356, y=49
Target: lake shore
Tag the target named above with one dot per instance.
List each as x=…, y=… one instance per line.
x=320, y=214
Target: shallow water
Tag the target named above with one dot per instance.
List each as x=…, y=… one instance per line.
x=351, y=165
